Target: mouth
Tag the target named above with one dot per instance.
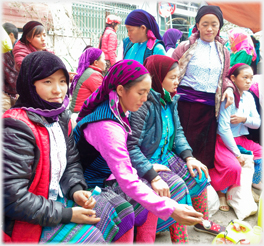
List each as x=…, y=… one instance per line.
x=57, y=100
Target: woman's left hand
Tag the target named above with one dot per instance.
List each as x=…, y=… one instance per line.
x=81, y=197
x=193, y=163
x=229, y=95
x=71, y=75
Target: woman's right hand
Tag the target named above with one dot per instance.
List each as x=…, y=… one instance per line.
x=241, y=160
x=161, y=188
x=84, y=216
x=186, y=215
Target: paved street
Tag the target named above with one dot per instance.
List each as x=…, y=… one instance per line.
x=223, y=218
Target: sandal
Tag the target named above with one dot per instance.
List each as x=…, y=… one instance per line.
x=215, y=229
x=255, y=196
x=223, y=205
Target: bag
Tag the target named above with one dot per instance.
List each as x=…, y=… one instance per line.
x=213, y=201
x=6, y=42
x=240, y=198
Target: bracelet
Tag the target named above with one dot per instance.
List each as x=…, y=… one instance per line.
x=238, y=156
x=191, y=158
x=155, y=180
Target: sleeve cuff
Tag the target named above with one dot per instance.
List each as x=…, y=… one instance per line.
x=150, y=174
x=186, y=153
x=66, y=215
x=73, y=189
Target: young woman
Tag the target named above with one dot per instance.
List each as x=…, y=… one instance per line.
x=232, y=130
x=108, y=40
x=33, y=39
x=89, y=77
x=45, y=197
x=204, y=62
x=171, y=39
x=101, y=136
x=158, y=145
x=143, y=38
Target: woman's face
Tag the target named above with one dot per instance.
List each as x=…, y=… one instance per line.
x=208, y=26
x=52, y=88
x=134, y=98
x=137, y=34
x=243, y=80
x=38, y=41
x=101, y=63
x=171, y=81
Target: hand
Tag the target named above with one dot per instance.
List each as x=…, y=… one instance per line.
x=84, y=216
x=228, y=94
x=241, y=160
x=161, y=188
x=159, y=167
x=71, y=75
x=236, y=119
x=81, y=197
x=192, y=163
x=186, y=215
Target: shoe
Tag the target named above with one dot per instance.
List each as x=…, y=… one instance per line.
x=214, y=230
x=255, y=196
x=223, y=205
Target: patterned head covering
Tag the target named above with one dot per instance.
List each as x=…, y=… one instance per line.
x=86, y=59
x=139, y=17
x=27, y=28
x=36, y=66
x=120, y=73
x=171, y=37
x=158, y=67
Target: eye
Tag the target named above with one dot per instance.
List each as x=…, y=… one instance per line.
x=47, y=81
x=63, y=81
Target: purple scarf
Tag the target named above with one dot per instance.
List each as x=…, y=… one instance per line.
x=120, y=73
x=86, y=59
x=36, y=66
x=139, y=17
x=171, y=37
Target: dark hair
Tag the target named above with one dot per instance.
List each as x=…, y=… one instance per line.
x=34, y=32
x=113, y=25
x=130, y=84
x=174, y=65
x=87, y=47
x=237, y=71
x=11, y=28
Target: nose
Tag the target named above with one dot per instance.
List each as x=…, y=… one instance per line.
x=176, y=81
x=56, y=89
x=145, y=97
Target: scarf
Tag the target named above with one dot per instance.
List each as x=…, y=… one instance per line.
x=120, y=73
x=232, y=69
x=86, y=59
x=170, y=38
x=27, y=28
x=36, y=66
x=158, y=67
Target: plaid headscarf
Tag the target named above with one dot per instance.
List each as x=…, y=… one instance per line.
x=120, y=73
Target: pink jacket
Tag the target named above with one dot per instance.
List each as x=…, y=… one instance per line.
x=20, y=51
x=109, y=45
x=110, y=141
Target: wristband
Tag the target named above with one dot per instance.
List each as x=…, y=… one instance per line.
x=155, y=180
x=190, y=158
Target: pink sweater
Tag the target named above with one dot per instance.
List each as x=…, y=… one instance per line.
x=109, y=138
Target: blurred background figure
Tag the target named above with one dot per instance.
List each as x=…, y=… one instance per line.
x=108, y=40
x=171, y=38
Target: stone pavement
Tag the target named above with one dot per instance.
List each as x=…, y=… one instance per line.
x=220, y=217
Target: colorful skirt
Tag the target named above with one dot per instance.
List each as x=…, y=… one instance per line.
x=104, y=231
x=189, y=187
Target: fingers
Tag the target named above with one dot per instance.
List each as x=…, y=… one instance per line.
x=93, y=221
x=90, y=203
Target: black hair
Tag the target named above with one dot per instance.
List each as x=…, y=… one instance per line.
x=87, y=47
x=34, y=32
x=113, y=25
x=238, y=69
x=130, y=84
x=174, y=65
x=11, y=28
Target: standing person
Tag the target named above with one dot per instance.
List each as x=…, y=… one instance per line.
x=204, y=63
x=33, y=39
x=171, y=38
x=45, y=197
x=9, y=94
x=108, y=40
x=143, y=38
x=232, y=130
x=101, y=136
x=89, y=77
x=158, y=146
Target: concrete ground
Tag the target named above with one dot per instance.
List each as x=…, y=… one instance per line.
x=220, y=217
